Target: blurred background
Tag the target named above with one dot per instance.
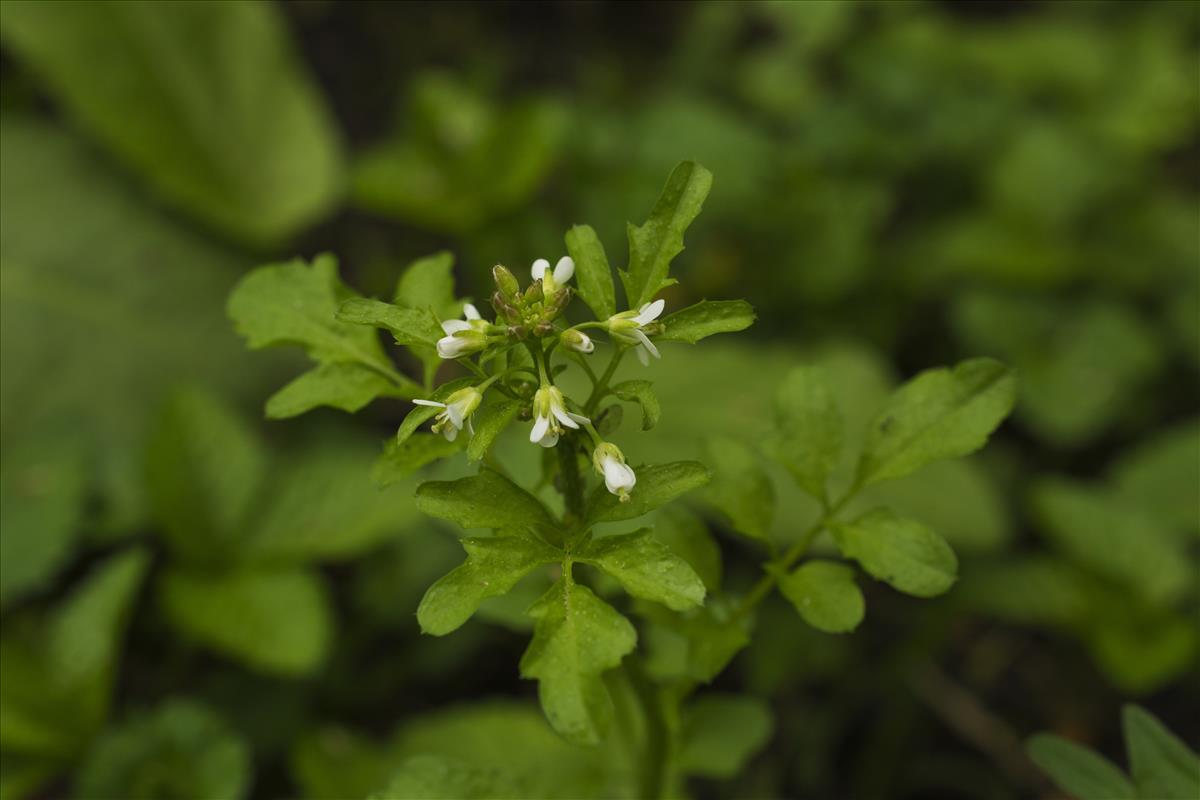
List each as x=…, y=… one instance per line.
x=897, y=186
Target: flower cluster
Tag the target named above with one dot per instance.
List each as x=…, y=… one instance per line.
x=532, y=318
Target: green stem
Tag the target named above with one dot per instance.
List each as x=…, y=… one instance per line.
x=601, y=386
x=568, y=467
x=655, y=756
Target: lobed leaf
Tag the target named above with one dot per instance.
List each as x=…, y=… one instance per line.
x=348, y=387
x=1084, y=773
x=941, y=413
x=706, y=318
x=1162, y=765
x=656, y=486
x=593, y=275
x=486, y=500
x=408, y=326
x=642, y=393
x=490, y=420
x=825, y=594
x=646, y=568
x=898, y=551
x=809, y=429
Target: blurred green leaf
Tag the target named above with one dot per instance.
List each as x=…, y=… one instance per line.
x=398, y=461
x=687, y=537
x=706, y=318
x=593, y=274
x=348, y=387
x=646, y=568
x=656, y=486
x=941, y=413
x=274, y=620
x=576, y=637
x=248, y=147
x=720, y=732
x=181, y=749
x=642, y=393
x=898, y=551
x=740, y=488
x=438, y=778
x=825, y=594
x=1039, y=589
x=493, y=566
x=1161, y=476
x=1162, y=765
x=486, y=500
x=489, y=422
x=808, y=428
x=428, y=283
x=1078, y=770
x=335, y=762
x=22, y=776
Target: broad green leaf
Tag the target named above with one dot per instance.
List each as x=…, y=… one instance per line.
x=1120, y=543
x=941, y=413
x=398, y=461
x=706, y=318
x=203, y=469
x=428, y=283
x=646, y=568
x=493, y=566
x=825, y=594
x=808, y=428
x=1161, y=476
x=653, y=245
x=656, y=486
x=720, y=732
x=898, y=551
x=642, y=393
x=1162, y=765
x=422, y=414
x=297, y=303
x=408, y=326
x=249, y=148
x=740, y=488
x=274, y=620
x=489, y=422
x=348, y=387
x=1082, y=772
x=593, y=275
x=576, y=637
x=688, y=537
x=427, y=777
x=181, y=749
x=486, y=500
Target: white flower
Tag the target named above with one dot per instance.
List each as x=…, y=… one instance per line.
x=550, y=416
x=457, y=409
x=577, y=340
x=463, y=336
x=619, y=478
x=627, y=327
x=562, y=273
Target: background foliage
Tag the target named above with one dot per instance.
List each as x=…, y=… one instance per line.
x=200, y=603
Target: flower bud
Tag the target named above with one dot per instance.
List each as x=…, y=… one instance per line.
x=533, y=294
x=578, y=341
x=461, y=343
x=619, y=478
x=506, y=282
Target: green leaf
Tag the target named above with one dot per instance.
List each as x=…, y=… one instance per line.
x=593, y=275
x=1122, y=544
x=422, y=414
x=741, y=488
x=688, y=537
x=1082, y=772
x=1162, y=765
x=705, y=318
x=493, y=566
x=642, y=393
x=348, y=387
x=256, y=156
x=203, y=470
x=408, y=326
x=486, y=500
x=941, y=413
x=428, y=283
x=825, y=594
x=428, y=777
x=646, y=568
x=274, y=620
x=489, y=421
x=656, y=486
x=714, y=637
x=398, y=461
x=808, y=428
x=653, y=245
x=720, y=732
x=22, y=776
x=181, y=749
x=576, y=637
x=901, y=552
x=1161, y=476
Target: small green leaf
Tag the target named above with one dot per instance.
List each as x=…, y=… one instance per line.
x=576, y=637
x=428, y=283
x=348, y=387
x=720, y=733
x=486, y=500
x=705, y=318
x=642, y=393
x=493, y=566
x=646, y=568
x=274, y=620
x=1083, y=773
x=1162, y=765
x=688, y=537
x=941, y=413
x=422, y=414
x=489, y=421
x=825, y=594
x=741, y=488
x=898, y=551
x=653, y=245
x=714, y=637
x=430, y=777
x=1162, y=476
x=656, y=486
x=808, y=428
x=398, y=461
x=593, y=275
x=408, y=326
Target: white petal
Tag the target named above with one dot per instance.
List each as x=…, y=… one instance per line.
x=549, y=440
x=433, y=403
x=646, y=343
x=453, y=326
x=539, y=269
x=540, y=426
x=580, y=418
x=471, y=312
x=564, y=269
x=449, y=347
x=455, y=416
x=643, y=355
x=450, y=432
x=650, y=311
x=617, y=476
x=562, y=416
